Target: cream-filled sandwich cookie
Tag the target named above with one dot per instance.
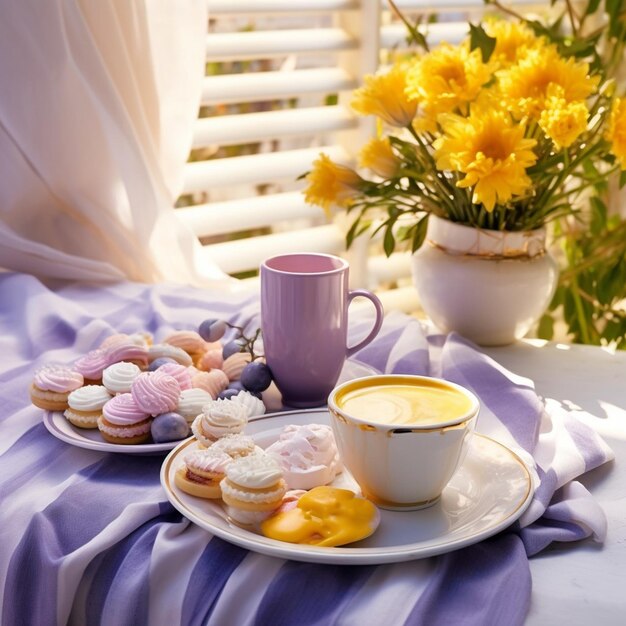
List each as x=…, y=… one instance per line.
x=119, y=377
x=218, y=419
x=236, y=445
x=202, y=472
x=92, y=365
x=124, y=422
x=253, y=488
x=85, y=406
x=189, y=341
x=52, y=385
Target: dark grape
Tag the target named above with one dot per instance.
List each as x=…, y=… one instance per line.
x=162, y=360
x=232, y=347
x=236, y=384
x=227, y=394
x=169, y=427
x=256, y=376
x=212, y=330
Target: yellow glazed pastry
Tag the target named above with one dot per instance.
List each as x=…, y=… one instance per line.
x=324, y=516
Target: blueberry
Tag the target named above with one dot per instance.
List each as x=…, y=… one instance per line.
x=256, y=376
x=162, y=360
x=212, y=330
x=169, y=427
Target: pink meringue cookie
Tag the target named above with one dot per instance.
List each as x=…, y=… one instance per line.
x=58, y=378
x=211, y=359
x=179, y=372
x=155, y=392
x=93, y=363
x=122, y=410
x=129, y=352
x=308, y=455
x=212, y=382
x=234, y=364
x=114, y=340
x=188, y=340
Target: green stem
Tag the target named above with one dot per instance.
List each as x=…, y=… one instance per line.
x=582, y=321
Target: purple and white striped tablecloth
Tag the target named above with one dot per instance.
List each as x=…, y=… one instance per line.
x=90, y=538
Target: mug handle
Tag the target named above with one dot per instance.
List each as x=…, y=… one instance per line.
x=378, y=305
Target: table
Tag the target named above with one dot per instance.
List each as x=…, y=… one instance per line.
x=87, y=533
x=583, y=584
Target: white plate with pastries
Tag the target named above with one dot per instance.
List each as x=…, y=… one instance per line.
x=90, y=438
x=489, y=492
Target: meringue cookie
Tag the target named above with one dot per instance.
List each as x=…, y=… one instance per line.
x=254, y=406
x=308, y=455
x=159, y=350
x=212, y=382
x=234, y=364
x=59, y=378
x=191, y=401
x=93, y=363
x=119, y=377
x=218, y=419
x=155, y=392
x=179, y=372
x=187, y=340
x=236, y=445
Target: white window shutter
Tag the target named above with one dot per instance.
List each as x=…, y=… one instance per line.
x=266, y=117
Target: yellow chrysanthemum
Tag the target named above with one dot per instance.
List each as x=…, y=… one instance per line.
x=617, y=131
x=541, y=74
x=384, y=95
x=513, y=40
x=563, y=121
x=492, y=153
x=378, y=156
x=447, y=78
x=331, y=184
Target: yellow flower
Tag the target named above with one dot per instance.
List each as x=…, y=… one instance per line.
x=447, y=78
x=542, y=74
x=492, y=153
x=378, y=156
x=617, y=131
x=563, y=121
x=384, y=95
x=331, y=183
x=513, y=40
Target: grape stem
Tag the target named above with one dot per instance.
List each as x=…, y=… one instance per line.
x=247, y=343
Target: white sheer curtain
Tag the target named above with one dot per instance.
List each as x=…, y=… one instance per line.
x=97, y=103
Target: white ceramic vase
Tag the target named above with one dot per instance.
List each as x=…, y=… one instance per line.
x=489, y=286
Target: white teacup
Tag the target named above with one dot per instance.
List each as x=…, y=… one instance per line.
x=402, y=437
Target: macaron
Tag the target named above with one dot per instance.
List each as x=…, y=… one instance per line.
x=202, y=472
x=85, y=406
x=52, y=385
x=124, y=422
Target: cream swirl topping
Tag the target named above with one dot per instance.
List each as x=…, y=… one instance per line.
x=58, y=378
x=223, y=417
x=254, y=406
x=122, y=410
x=92, y=364
x=255, y=471
x=119, y=377
x=88, y=398
x=155, y=392
x=179, y=372
x=208, y=461
x=127, y=351
x=191, y=402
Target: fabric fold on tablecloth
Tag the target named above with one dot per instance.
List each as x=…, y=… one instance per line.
x=88, y=537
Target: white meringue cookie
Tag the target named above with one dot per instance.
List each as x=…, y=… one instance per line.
x=254, y=406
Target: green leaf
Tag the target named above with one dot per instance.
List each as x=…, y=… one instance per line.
x=598, y=215
x=481, y=40
x=622, y=179
x=613, y=8
x=389, y=242
x=420, y=234
x=592, y=7
x=545, y=330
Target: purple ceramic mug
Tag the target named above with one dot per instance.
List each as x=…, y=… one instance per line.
x=304, y=320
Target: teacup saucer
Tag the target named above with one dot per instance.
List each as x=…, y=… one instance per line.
x=491, y=489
